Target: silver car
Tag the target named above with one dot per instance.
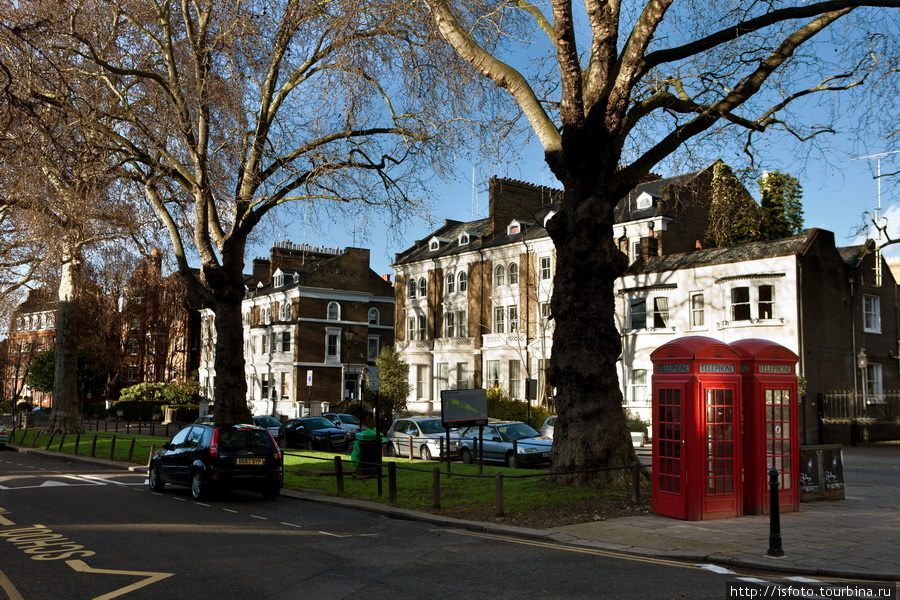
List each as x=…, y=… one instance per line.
x=547, y=427
x=344, y=421
x=513, y=443
x=420, y=437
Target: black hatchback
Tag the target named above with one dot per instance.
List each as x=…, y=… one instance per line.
x=209, y=458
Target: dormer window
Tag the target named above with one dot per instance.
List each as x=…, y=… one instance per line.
x=463, y=239
x=435, y=243
x=279, y=278
x=643, y=201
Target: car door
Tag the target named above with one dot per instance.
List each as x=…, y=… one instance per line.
x=293, y=434
x=494, y=446
x=168, y=457
x=401, y=437
x=187, y=453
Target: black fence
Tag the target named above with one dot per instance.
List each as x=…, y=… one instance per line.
x=855, y=418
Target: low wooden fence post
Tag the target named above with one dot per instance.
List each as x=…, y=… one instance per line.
x=498, y=494
x=112, y=448
x=339, y=474
x=636, y=483
x=436, y=478
x=94, y=447
x=61, y=442
x=77, y=442
x=131, y=449
x=50, y=441
x=392, y=482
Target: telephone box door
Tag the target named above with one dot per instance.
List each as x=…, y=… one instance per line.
x=721, y=492
x=670, y=497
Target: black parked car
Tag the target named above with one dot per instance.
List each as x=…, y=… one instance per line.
x=209, y=458
x=314, y=433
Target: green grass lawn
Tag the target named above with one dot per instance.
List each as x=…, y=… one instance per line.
x=98, y=444
x=529, y=496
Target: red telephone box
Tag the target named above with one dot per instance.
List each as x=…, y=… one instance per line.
x=696, y=430
x=771, y=431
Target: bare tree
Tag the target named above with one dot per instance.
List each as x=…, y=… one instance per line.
x=623, y=87
x=58, y=182
x=225, y=110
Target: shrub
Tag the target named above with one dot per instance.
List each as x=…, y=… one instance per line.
x=501, y=406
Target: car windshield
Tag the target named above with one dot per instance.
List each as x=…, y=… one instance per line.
x=516, y=431
x=246, y=440
x=431, y=426
x=267, y=421
x=317, y=423
x=349, y=419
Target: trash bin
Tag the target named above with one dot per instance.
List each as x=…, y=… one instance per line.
x=366, y=455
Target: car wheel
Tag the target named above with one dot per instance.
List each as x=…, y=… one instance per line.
x=425, y=453
x=271, y=491
x=154, y=480
x=511, y=461
x=467, y=456
x=389, y=449
x=199, y=487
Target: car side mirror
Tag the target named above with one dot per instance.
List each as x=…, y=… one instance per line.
x=167, y=446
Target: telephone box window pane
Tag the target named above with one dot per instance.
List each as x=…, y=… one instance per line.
x=720, y=441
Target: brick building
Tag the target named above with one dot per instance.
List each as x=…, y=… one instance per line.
x=314, y=319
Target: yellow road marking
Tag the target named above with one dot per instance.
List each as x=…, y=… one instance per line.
x=7, y=586
x=82, y=567
x=578, y=549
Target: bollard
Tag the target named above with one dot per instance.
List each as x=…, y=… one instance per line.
x=498, y=494
x=392, y=482
x=436, y=478
x=636, y=483
x=339, y=474
x=774, y=516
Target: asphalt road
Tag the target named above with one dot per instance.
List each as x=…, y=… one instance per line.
x=72, y=531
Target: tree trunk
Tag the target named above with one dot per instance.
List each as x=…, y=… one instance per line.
x=591, y=431
x=64, y=417
x=230, y=393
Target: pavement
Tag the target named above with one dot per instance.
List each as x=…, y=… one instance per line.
x=856, y=538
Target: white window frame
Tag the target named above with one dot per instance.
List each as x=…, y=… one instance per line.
x=499, y=276
x=373, y=347
x=374, y=316
x=462, y=375
x=632, y=304
x=770, y=303
x=450, y=287
x=698, y=310
x=332, y=333
x=512, y=272
x=492, y=373
x=499, y=319
x=661, y=316
x=334, y=311
x=423, y=287
x=512, y=312
x=637, y=387
x=449, y=324
x=515, y=379
x=463, y=282
x=546, y=268
x=871, y=313
x=462, y=324
x=743, y=305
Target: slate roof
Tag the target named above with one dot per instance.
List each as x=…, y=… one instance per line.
x=719, y=256
x=626, y=210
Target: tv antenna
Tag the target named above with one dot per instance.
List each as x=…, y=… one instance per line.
x=877, y=220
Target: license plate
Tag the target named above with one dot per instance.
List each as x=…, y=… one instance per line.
x=249, y=461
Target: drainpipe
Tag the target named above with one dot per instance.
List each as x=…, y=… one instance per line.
x=853, y=348
x=801, y=367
